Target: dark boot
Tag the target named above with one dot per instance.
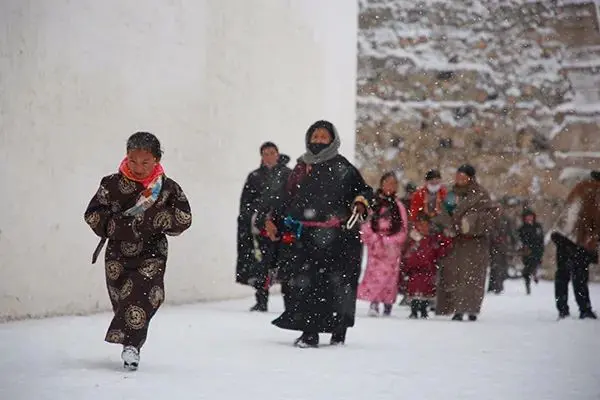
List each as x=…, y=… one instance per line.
x=262, y=299
x=588, y=314
x=472, y=317
x=307, y=340
x=423, y=308
x=338, y=337
x=457, y=317
x=562, y=278
x=387, y=310
x=414, y=309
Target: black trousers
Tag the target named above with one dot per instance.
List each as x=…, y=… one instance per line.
x=572, y=264
x=529, y=269
x=497, y=277
x=262, y=270
x=262, y=296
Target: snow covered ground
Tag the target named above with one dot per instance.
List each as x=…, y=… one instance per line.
x=220, y=351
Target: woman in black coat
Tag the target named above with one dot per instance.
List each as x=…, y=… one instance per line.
x=320, y=256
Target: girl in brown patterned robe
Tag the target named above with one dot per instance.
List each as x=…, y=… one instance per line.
x=134, y=210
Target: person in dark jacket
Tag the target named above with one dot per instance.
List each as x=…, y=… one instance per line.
x=576, y=236
x=531, y=235
x=321, y=255
x=256, y=252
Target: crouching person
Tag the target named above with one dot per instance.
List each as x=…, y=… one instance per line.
x=134, y=209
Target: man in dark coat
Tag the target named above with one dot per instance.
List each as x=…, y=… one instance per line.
x=256, y=253
x=531, y=235
x=577, y=236
x=320, y=257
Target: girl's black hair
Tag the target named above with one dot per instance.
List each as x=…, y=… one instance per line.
x=145, y=141
x=390, y=204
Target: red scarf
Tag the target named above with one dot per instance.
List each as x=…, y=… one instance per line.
x=124, y=169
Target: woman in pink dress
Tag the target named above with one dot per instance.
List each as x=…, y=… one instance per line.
x=384, y=235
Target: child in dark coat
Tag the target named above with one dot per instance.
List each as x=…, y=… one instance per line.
x=133, y=211
x=531, y=235
x=424, y=250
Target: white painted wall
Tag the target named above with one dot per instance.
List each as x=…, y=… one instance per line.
x=212, y=78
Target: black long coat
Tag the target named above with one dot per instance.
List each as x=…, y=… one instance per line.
x=322, y=267
x=262, y=185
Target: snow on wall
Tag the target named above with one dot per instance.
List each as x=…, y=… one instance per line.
x=506, y=52
x=213, y=79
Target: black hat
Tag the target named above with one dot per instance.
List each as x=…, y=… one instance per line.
x=433, y=174
x=467, y=169
x=595, y=175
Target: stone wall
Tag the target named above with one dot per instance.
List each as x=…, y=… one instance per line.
x=510, y=85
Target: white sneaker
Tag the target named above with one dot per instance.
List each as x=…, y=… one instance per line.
x=130, y=357
x=303, y=345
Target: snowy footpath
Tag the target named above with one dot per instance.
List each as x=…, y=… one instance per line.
x=219, y=351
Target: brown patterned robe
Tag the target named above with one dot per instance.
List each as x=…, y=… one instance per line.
x=136, y=254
